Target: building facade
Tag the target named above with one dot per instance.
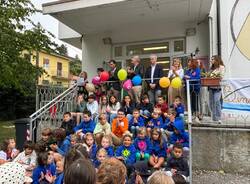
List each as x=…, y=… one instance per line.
x=119, y=29
x=56, y=68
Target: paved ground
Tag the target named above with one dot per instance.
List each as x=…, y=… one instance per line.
x=213, y=177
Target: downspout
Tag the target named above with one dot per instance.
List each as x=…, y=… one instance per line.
x=218, y=27
x=211, y=36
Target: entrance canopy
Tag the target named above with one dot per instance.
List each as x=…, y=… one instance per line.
x=102, y=16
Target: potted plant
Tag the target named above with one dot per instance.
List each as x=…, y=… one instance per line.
x=210, y=79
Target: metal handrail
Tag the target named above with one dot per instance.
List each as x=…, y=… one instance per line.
x=47, y=106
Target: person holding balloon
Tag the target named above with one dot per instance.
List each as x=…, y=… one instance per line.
x=152, y=75
x=175, y=71
x=137, y=69
x=114, y=85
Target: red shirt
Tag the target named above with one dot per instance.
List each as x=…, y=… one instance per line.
x=163, y=107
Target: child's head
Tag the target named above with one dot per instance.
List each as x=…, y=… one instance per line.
x=59, y=134
x=136, y=113
x=141, y=134
x=42, y=158
x=156, y=134
x=59, y=166
x=102, y=119
x=177, y=100
x=171, y=114
x=86, y=116
x=73, y=139
x=112, y=99
x=101, y=154
x=12, y=143
x=120, y=114
x=179, y=179
x=127, y=140
x=104, y=100
x=155, y=114
x=4, y=145
x=89, y=139
x=161, y=100
x=46, y=133
x=160, y=177
x=145, y=99
x=28, y=147
x=91, y=98
x=177, y=150
x=126, y=99
x=80, y=171
x=66, y=116
x=106, y=141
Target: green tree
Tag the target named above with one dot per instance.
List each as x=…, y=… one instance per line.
x=63, y=50
x=16, y=72
x=76, y=66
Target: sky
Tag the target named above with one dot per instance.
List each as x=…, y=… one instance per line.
x=51, y=24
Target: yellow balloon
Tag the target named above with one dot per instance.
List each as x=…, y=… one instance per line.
x=122, y=74
x=164, y=82
x=90, y=87
x=176, y=82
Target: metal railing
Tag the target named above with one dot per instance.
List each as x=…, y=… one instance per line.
x=51, y=107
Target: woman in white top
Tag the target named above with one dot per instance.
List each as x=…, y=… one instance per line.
x=175, y=71
x=113, y=107
x=217, y=70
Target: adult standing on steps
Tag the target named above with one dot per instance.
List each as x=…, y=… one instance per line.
x=152, y=75
x=114, y=86
x=137, y=69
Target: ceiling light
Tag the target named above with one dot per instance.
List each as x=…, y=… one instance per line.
x=162, y=62
x=165, y=69
x=155, y=48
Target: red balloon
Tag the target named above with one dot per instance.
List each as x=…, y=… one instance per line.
x=104, y=76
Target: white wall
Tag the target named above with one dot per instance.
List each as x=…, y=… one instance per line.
x=96, y=52
x=237, y=65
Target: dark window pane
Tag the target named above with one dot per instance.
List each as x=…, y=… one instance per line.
x=118, y=51
x=179, y=46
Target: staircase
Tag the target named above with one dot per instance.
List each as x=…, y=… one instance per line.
x=51, y=104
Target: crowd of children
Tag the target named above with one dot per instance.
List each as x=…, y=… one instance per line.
x=144, y=137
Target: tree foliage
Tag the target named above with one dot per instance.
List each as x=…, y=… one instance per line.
x=15, y=71
x=76, y=66
x=63, y=50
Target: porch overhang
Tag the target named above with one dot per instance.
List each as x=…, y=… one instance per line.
x=106, y=16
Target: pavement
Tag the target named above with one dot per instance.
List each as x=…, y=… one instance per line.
x=219, y=177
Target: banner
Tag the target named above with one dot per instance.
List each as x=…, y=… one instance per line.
x=236, y=100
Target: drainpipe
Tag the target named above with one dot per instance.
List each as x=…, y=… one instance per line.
x=211, y=36
x=218, y=27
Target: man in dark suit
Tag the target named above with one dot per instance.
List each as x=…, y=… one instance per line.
x=152, y=75
x=114, y=85
x=136, y=69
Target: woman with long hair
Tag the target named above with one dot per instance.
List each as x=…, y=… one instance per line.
x=175, y=71
x=217, y=70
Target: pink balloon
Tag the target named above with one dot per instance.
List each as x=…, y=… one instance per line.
x=96, y=80
x=127, y=85
x=104, y=76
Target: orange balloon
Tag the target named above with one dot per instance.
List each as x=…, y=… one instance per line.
x=164, y=82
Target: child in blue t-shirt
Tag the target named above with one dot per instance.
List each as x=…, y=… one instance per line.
x=136, y=122
x=159, y=149
x=143, y=145
x=126, y=153
x=155, y=122
x=178, y=106
x=46, y=170
x=106, y=143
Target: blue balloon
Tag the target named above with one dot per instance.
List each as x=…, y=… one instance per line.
x=137, y=80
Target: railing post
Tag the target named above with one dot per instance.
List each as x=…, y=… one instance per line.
x=189, y=130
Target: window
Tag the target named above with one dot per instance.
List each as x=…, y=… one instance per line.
x=179, y=46
x=152, y=48
x=118, y=51
x=45, y=63
x=45, y=82
x=59, y=69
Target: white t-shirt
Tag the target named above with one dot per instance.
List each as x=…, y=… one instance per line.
x=180, y=73
x=3, y=155
x=27, y=159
